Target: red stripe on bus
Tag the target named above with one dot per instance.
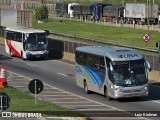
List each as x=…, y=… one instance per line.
x=13, y=50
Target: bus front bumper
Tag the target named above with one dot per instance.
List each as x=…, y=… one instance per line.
x=127, y=94
x=31, y=56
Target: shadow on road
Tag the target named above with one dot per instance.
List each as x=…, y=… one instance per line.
x=2, y=57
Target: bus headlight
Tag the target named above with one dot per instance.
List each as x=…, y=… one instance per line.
x=118, y=89
x=145, y=88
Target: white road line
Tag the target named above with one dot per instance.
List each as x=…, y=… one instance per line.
x=62, y=74
x=63, y=62
x=30, y=65
x=156, y=102
x=94, y=109
x=62, y=98
x=55, y=95
x=72, y=102
x=51, y=92
x=18, y=82
x=83, y=105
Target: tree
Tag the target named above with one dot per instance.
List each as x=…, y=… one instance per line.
x=42, y=13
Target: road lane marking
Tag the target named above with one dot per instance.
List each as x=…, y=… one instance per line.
x=63, y=62
x=85, y=105
x=156, y=102
x=71, y=102
x=55, y=95
x=62, y=74
x=31, y=65
x=95, y=109
x=63, y=98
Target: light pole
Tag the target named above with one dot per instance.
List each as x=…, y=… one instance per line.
x=123, y=2
x=148, y=14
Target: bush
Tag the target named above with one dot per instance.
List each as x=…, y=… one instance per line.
x=42, y=13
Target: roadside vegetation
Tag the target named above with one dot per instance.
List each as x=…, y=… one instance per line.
x=20, y=101
x=121, y=35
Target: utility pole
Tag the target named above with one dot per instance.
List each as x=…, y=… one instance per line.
x=123, y=2
x=148, y=14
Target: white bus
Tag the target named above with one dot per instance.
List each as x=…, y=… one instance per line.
x=114, y=72
x=25, y=42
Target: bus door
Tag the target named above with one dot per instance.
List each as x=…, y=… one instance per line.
x=109, y=77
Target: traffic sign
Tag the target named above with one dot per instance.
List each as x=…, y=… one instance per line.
x=35, y=86
x=18, y=6
x=146, y=37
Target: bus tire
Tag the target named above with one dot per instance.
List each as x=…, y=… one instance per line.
x=106, y=94
x=10, y=52
x=86, y=87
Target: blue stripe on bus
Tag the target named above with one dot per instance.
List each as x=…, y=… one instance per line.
x=99, y=81
x=90, y=75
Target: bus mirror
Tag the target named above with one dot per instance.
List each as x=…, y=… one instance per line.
x=47, y=32
x=149, y=66
x=27, y=35
x=111, y=68
x=156, y=44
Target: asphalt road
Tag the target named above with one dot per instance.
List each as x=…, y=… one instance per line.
x=62, y=75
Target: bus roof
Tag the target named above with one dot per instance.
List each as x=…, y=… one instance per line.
x=113, y=53
x=24, y=29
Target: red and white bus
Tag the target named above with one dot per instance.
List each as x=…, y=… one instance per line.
x=25, y=42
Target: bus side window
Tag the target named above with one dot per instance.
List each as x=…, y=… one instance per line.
x=85, y=59
x=79, y=57
x=5, y=34
x=15, y=36
x=19, y=37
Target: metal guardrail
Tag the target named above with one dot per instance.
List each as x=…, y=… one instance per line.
x=104, y=41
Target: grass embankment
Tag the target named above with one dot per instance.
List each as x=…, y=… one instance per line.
x=20, y=101
x=121, y=35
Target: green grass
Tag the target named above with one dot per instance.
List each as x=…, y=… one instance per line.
x=121, y=35
x=20, y=101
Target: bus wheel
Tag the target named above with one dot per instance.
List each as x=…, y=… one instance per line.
x=106, y=94
x=86, y=87
x=10, y=52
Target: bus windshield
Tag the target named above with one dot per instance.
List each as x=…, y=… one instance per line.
x=36, y=41
x=129, y=73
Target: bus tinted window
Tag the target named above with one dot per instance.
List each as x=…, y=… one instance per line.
x=10, y=35
x=90, y=60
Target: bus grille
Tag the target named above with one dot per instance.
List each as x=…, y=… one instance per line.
x=130, y=91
